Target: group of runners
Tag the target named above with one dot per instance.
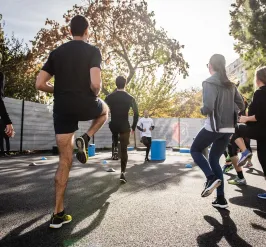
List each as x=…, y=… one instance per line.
x=76, y=66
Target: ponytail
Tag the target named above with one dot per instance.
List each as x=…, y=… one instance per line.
x=217, y=62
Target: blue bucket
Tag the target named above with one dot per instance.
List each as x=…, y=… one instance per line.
x=91, y=150
x=158, y=149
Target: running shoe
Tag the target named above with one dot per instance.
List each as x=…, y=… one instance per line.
x=82, y=144
x=262, y=196
x=210, y=186
x=244, y=157
x=237, y=181
x=227, y=168
x=220, y=203
x=123, y=178
x=57, y=221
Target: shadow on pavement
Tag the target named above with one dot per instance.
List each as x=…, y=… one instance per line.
x=260, y=213
x=249, y=197
x=227, y=229
x=26, y=189
x=255, y=172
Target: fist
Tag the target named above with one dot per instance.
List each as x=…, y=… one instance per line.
x=243, y=119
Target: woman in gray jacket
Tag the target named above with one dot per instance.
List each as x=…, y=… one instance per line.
x=220, y=98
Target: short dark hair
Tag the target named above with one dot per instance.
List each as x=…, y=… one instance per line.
x=78, y=25
x=120, y=82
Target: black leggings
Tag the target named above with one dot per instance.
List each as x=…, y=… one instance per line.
x=124, y=141
x=256, y=132
x=3, y=136
x=147, y=142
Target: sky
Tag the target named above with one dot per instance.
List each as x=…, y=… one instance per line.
x=201, y=25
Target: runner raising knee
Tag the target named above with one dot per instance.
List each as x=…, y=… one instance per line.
x=76, y=68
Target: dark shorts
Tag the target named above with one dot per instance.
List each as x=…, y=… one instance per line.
x=68, y=123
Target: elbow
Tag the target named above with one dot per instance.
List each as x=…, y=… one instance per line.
x=38, y=84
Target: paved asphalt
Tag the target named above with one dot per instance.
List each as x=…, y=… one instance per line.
x=159, y=206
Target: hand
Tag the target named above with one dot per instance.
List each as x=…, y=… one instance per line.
x=243, y=119
x=144, y=130
x=132, y=132
x=9, y=130
x=150, y=128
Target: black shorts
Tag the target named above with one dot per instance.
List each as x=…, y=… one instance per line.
x=68, y=123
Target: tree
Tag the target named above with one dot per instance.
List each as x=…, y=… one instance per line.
x=127, y=36
x=20, y=73
x=248, y=18
x=188, y=103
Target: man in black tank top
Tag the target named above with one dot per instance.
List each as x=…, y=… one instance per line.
x=120, y=103
x=76, y=67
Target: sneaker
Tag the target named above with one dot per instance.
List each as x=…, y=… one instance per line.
x=123, y=178
x=57, y=221
x=220, y=203
x=262, y=196
x=147, y=159
x=210, y=186
x=237, y=181
x=244, y=157
x=82, y=144
x=227, y=168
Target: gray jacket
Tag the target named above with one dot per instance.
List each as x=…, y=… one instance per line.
x=219, y=103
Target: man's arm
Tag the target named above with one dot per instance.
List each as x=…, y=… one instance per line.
x=42, y=82
x=152, y=125
x=136, y=114
x=47, y=72
x=95, y=72
x=3, y=113
x=96, y=80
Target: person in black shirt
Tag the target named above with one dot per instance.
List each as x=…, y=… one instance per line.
x=253, y=126
x=233, y=150
x=120, y=103
x=76, y=68
x=6, y=127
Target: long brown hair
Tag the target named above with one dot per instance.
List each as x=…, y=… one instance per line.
x=217, y=62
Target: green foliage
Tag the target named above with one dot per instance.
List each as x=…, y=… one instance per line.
x=248, y=18
x=126, y=33
x=16, y=65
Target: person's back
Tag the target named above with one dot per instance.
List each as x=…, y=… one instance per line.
x=120, y=103
x=70, y=63
x=77, y=73
x=219, y=100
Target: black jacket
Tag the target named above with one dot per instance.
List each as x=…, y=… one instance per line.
x=3, y=113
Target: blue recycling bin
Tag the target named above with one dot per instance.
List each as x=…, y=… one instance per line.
x=91, y=150
x=158, y=149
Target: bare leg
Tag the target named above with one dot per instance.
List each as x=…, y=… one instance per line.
x=65, y=146
x=99, y=122
x=241, y=144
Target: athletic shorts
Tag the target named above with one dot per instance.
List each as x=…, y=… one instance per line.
x=68, y=123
